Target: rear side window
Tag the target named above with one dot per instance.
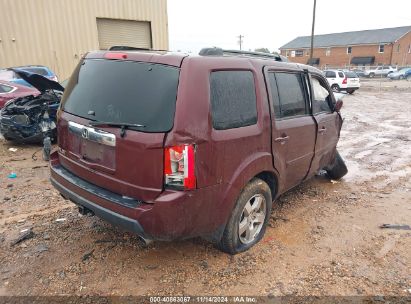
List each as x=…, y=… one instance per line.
x=287, y=90
x=233, y=99
x=330, y=74
x=341, y=74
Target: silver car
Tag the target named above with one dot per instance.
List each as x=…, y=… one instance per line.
x=401, y=74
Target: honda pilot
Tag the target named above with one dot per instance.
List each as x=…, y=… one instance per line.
x=172, y=146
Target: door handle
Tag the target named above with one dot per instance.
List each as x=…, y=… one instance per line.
x=322, y=130
x=282, y=139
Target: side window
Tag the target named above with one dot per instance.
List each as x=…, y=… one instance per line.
x=5, y=88
x=341, y=74
x=291, y=97
x=233, y=99
x=321, y=97
x=330, y=74
x=274, y=95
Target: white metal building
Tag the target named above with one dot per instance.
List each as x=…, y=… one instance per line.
x=56, y=33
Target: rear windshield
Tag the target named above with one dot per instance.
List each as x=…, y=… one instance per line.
x=124, y=92
x=351, y=75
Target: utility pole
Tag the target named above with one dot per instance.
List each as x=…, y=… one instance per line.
x=312, y=33
x=240, y=41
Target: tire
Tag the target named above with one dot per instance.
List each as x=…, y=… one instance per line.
x=338, y=169
x=401, y=77
x=350, y=91
x=335, y=88
x=371, y=75
x=255, y=191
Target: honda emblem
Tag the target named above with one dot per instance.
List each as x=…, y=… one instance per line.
x=84, y=133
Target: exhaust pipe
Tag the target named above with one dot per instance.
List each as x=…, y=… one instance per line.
x=146, y=241
x=85, y=211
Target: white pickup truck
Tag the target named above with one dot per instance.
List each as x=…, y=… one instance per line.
x=379, y=71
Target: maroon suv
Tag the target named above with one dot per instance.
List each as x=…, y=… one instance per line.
x=173, y=146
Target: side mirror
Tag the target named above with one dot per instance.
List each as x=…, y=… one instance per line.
x=338, y=105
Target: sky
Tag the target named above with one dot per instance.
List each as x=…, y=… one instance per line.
x=194, y=24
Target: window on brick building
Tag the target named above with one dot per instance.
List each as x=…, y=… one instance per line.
x=398, y=48
x=409, y=49
x=349, y=50
x=299, y=53
x=328, y=52
x=381, y=48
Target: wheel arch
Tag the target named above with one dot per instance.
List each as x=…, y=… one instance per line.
x=258, y=165
x=271, y=179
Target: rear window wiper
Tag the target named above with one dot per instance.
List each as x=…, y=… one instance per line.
x=122, y=125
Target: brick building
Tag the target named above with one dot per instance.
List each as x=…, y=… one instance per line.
x=389, y=46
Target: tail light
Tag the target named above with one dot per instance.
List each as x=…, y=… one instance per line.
x=345, y=80
x=179, y=162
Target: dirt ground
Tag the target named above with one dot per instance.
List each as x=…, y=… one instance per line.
x=323, y=239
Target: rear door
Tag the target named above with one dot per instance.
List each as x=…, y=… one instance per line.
x=328, y=123
x=127, y=160
x=293, y=127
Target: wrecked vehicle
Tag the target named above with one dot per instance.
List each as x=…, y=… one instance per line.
x=32, y=118
x=186, y=146
x=10, y=90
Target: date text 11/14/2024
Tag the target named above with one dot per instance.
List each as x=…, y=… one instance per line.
x=203, y=299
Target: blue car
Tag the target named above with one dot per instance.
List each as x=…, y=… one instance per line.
x=11, y=76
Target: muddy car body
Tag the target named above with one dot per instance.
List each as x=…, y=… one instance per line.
x=31, y=118
x=185, y=146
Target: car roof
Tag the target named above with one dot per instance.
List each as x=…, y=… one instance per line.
x=176, y=59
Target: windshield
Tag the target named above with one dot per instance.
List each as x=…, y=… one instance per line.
x=124, y=92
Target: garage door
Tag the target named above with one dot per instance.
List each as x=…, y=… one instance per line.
x=123, y=32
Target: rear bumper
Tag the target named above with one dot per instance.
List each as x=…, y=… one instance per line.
x=106, y=214
x=172, y=215
x=350, y=88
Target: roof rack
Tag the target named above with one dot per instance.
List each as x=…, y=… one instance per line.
x=126, y=48
x=132, y=48
x=220, y=52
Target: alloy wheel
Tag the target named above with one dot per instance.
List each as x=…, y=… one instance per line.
x=252, y=219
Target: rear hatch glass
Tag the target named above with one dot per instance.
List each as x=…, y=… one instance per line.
x=141, y=95
x=351, y=75
x=124, y=92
